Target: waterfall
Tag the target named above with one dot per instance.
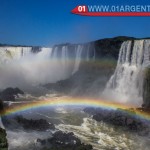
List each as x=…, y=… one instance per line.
x=71, y=56
x=44, y=53
x=41, y=65
x=8, y=53
x=68, y=59
x=125, y=85
x=78, y=58
x=65, y=60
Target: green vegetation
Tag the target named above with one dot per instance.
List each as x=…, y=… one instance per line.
x=3, y=140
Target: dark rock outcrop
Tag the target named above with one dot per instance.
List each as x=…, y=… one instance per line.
x=63, y=141
x=109, y=47
x=122, y=118
x=40, y=125
x=13, y=122
x=9, y=94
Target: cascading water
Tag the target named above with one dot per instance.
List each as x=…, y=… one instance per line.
x=77, y=58
x=44, y=53
x=125, y=85
x=15, y=53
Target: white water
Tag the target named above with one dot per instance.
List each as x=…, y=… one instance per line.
x=103, y=136
x=125, y=85
x=78, y=58
x=8, y=53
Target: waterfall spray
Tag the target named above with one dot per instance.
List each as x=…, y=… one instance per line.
x=27, y=66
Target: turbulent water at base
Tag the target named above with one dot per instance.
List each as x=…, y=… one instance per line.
x=44, y=65
x=126, y=83
x=106, y=137
x=100, y=135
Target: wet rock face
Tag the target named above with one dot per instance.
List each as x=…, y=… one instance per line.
x=3, y=140
x=10, y=94
x=63, y=141
x=146, y=89
x=109, y=47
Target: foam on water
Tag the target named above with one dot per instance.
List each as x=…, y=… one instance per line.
x=103, y=136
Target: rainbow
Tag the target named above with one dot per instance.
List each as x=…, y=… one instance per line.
x=67, y=101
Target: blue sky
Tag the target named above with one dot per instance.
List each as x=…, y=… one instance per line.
x=49, y=22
